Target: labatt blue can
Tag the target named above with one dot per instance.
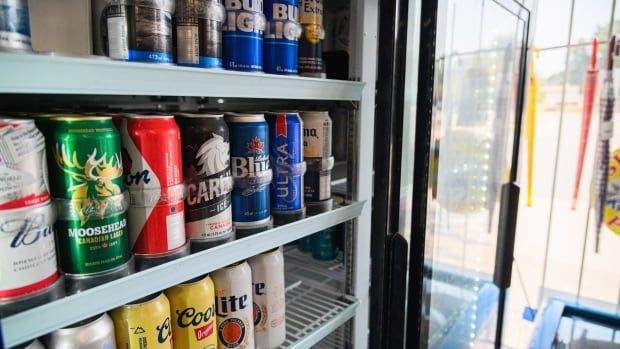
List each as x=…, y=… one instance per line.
x=242, y=35
x=251, y=171
x=288, y=166
x=281, y=36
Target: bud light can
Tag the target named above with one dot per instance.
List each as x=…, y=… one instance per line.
x=95, y=332
x=144, y=323
x=242, y=35
x=234, y=306
x=286, y=155
x=282, y=33
x=206, y=169
x=192, y=306
x=251, y=171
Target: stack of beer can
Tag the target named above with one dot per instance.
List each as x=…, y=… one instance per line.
x=239, y=306
x=28, y=272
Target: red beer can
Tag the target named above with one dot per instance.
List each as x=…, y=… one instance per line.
x=151, y=146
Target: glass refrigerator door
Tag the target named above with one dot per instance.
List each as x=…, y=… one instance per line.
x=478, y=76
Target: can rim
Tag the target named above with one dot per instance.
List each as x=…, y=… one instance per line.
x=314, y=112
x=80, y=118
x=194, y=281
x=86, y=322
x=148, y=116
x=199, y=115
x=144, y=300
x=244, y=117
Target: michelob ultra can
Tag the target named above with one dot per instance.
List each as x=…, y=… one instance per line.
x=282, y=34
x=233, y=302
x=288, y=166
x=192, y=306
x=144, y=323
x=96, y=332
x=269, y=298
x=206, y=169
x=310, y=44
x=242, y=35
x=86, y=177
x=251, y=169
x=14, y=26
x=152, y=167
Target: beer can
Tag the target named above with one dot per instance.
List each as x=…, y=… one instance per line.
x=206, y=169
x=23, y=165
x=112, y=27
x=269, y=298
x=211, y=16
x=186, y=26
x=324, y=244
x=14, y=26
x=192, y=306
x=310, y=44
x=233, y=304
x=304, y=244
x=287, y=159
x=251, y=170
x=282, y=34
x=151, y=146
x=144, y=323
x=318, y=156
x=242, y=35
x=93, y=333
x=86, y=182
x=35, y=344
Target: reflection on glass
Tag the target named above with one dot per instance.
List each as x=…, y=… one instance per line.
x=576, y=333
x=590, y=19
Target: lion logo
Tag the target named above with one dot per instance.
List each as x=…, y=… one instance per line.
x=213, y=156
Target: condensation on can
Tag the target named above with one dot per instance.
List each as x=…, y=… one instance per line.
x=95, y=332
x=152, y=315
x=14, y=26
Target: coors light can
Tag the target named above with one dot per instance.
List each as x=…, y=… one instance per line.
x=144, y=323
x=206, y=169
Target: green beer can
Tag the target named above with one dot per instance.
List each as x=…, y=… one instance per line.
x=85, y=170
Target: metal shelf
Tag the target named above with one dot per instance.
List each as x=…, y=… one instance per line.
x=46, y=318
x=32, y=73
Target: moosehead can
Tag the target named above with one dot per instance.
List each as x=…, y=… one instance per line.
x=251, y=170
x=242, y=35
x=86, y=177
x=287, y=159
x=233, y=303
x=319, y=159
x=96, y=332
x=14, y=26
x=282, y=34
x=192, y=306
x=206, y=169
x=269, y=298
x=211, y=16
x=310, y=47
x=152, y=171
x=144, y=323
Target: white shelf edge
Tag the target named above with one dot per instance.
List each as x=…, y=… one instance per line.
x=38, y=321
x=92, y=75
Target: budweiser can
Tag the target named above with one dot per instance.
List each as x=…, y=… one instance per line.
x=233, y=302
x=93, y=333
x=269, y=298
x=144, y=323
x=23, y=166
x=151, y=147
x=192, y=306
x=206, y=169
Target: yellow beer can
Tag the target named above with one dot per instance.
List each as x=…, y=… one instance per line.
x=192, y=305
x=143, y=324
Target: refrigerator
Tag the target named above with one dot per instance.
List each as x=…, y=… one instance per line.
x=426, y=100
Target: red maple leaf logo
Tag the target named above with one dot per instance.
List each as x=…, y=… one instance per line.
x=255, y=145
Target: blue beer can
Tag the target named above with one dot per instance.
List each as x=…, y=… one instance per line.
x=242, y=35
x=281, y=36
x=251, y=170
x=286, y=154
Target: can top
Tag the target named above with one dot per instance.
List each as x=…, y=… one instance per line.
x=233, y=265
x=194, y=280
x=74, y=118
x=143, y=300
x=14, y=122
x=241, y=117
x=84, y=322
x=199, y=116
x=148, y=116
x=314, y=113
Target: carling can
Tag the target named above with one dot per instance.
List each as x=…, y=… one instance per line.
x=211, y=16
x=269, y=298
x=251, y=169
x=282, y=34
x=96, y=332
x=86, y=181
x=23, y=165
x=206, y=169
x=233, y=304
x=242, y=35
x=144, y=323
x=14, y=26
x=310, y=44
x=27, y=249
x=151, y=146
x=192, y=306
x=318, y=155
x=288, y=166
x=186, y=26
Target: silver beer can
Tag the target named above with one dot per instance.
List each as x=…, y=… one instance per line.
x=35, y=344
x=269, y=298
x=14, y=26
x=93, y=333
x=233, y=304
